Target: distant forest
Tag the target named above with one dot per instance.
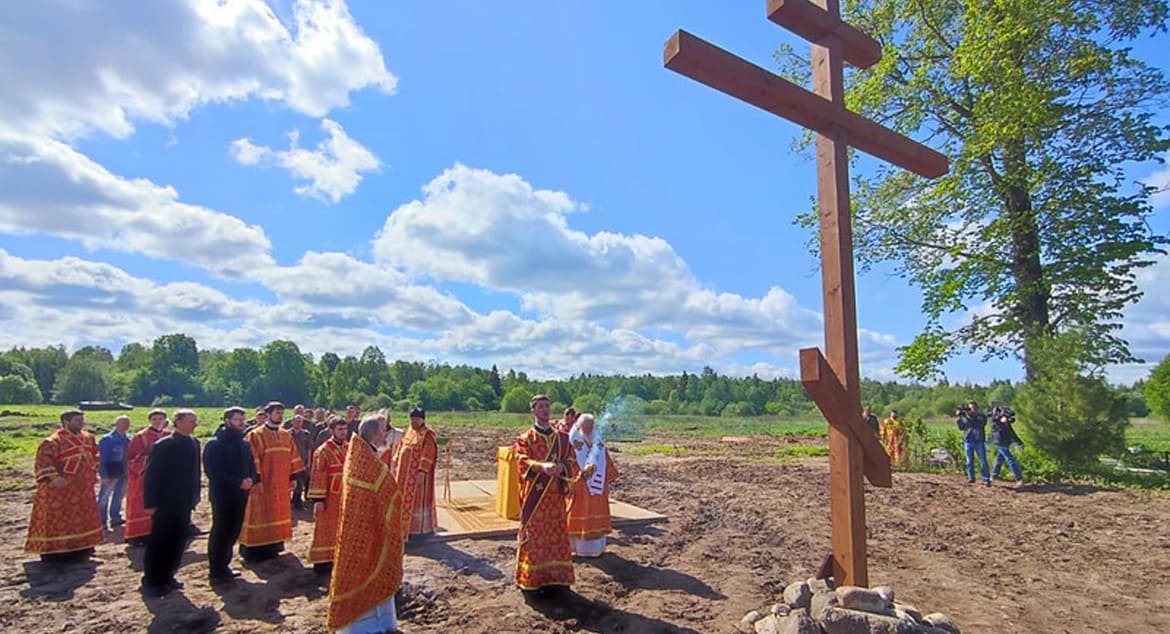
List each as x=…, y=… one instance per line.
x=173, y=371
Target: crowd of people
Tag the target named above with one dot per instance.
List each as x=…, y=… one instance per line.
x=371, y=488
x=892, y=433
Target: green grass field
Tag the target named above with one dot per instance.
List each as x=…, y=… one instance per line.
x=19, y=435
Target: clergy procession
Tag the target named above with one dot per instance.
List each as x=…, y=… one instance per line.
x=370, y=487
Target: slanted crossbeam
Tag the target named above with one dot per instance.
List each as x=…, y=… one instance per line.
x=832, y=380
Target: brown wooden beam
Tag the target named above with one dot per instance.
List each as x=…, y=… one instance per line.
x=814, y=24
x=708, y=64
x=826, y=391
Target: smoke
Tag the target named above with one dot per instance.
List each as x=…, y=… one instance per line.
x=621, y=419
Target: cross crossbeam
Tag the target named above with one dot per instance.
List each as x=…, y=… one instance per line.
x=708, y=64
x=814, y=24
x=832, y=380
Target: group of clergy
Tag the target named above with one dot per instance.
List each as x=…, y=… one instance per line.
x=371, y=486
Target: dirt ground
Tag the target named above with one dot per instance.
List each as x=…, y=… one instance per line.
x=1042, y=559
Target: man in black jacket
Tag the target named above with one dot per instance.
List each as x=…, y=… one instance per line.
x=171, y=490
x=231, y=473
x=1003, y=436
x=973, y=424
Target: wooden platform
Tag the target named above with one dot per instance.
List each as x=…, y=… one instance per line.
x=471, y=513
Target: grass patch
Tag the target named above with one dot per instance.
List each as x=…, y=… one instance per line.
x=802, y=451
x=666, y=450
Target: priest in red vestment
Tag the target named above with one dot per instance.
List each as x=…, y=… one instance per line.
x=414, y=470
x=367, y=561
x=325, y=495
x=138, y=518
x=548, y=470
x=65, y=524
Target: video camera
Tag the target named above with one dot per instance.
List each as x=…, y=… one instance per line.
x=1002, y=411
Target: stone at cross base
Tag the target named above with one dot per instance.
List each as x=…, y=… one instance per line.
x=833, y=379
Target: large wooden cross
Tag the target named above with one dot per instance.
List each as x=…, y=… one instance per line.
x=833, y=383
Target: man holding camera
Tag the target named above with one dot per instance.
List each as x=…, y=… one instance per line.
x=974, y=427
x=1003, y=436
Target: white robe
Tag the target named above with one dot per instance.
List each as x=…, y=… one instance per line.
x=590, y=451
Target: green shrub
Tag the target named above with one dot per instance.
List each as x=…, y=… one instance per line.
x=588, y=404
x=1070, y=416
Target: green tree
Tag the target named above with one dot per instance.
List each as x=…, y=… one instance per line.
x=1068, y=412
x=588, y=404
x=173, y=371
x=134, y=356
x=516, y=400
x=328, y=363
x=375, y=374
x=242, y=374
x=14, y=367
x=343, y=384
x=285, y=375
x=16, y=389
x=1158, y=390
x=94, y=353
x=84, y=378
x=1042, y=108
x=495, y=382
x=406, y=374
x=45, y=363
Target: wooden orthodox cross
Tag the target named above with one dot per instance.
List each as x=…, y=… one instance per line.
x=833, y=383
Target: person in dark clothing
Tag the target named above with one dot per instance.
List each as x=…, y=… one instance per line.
x=353, y=418
x=1003, y=436
x=259, y=421
x=303, y=440
x=973, y=424
x=171, y=489
x=231, y=473
x=868, y=417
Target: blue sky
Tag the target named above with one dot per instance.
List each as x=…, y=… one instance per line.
x=515, y=183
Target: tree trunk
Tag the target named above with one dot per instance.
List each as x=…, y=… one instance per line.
x=1032, y=292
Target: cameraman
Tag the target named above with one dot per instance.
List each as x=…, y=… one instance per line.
x=1003, y=436
x=974, y=425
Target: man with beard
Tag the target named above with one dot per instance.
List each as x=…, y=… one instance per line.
x=171, y=491
x=231, y=474
x=268, y=517
x=414, y=468
x=367, y=563
x=65, y=525
x=137, y=516
x=548, y=468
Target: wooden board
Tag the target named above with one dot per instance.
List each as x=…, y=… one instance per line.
x=471, y=513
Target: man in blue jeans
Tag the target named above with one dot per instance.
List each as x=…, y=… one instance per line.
x=112, y=470
x=974, y=427
x=1003, y=436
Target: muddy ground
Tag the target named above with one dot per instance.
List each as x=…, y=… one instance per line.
x=1039, y=559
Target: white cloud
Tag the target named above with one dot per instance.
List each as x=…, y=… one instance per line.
x=501, y=233
x=334, y=169
x=341, y=282
x=552, y=348
x=1160, y=181
x=75, y=301
x=47, y=187
x=1147, y=323
x=80, y=65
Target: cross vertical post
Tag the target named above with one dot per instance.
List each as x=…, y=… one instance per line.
x=847, y=489
x=834, y=383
